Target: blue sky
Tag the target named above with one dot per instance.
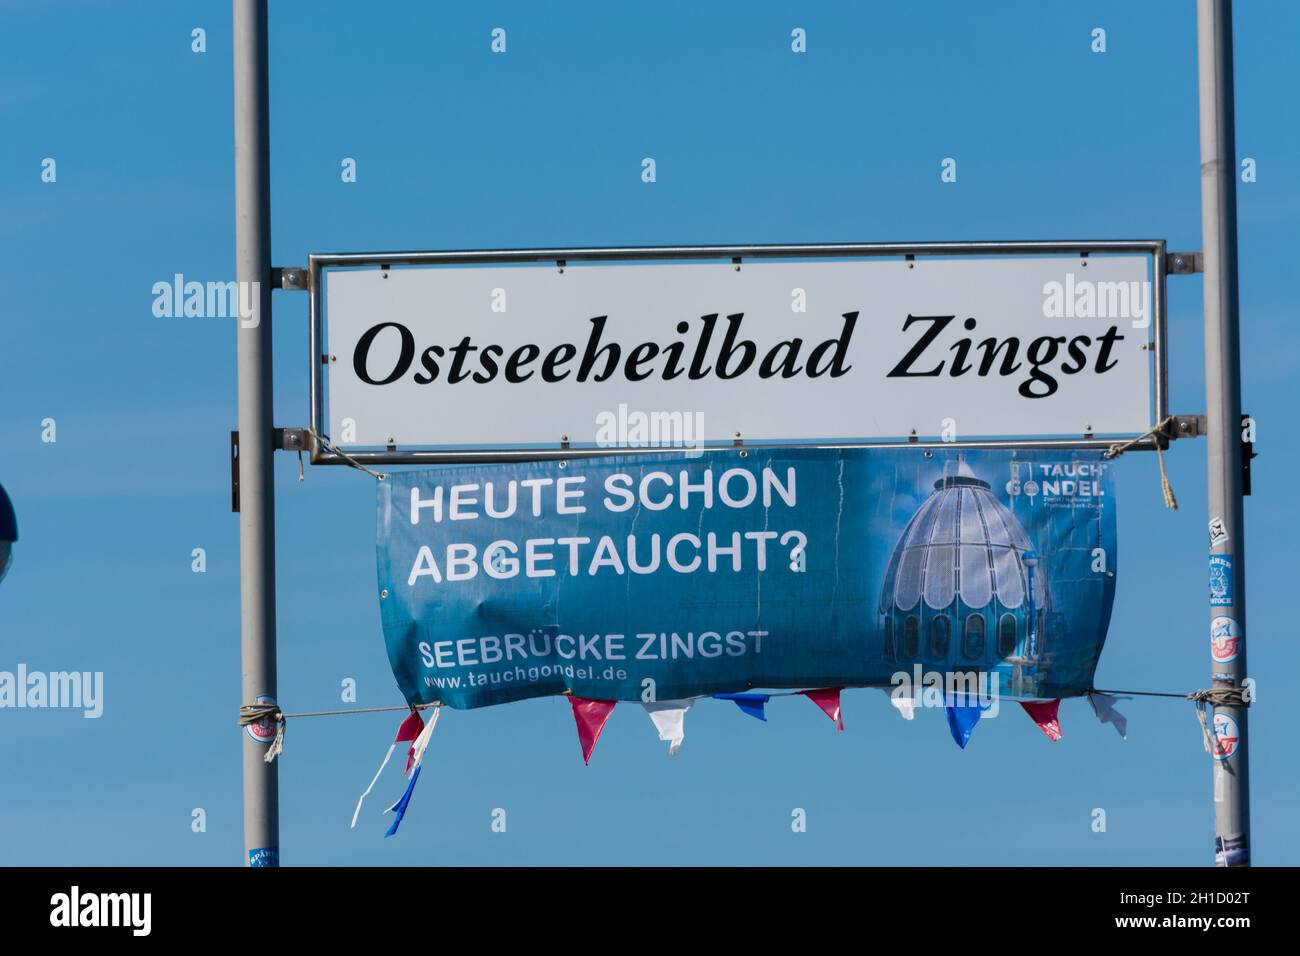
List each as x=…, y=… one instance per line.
x=458, y=148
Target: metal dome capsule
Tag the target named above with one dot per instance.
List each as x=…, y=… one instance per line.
x=8, y=532
x=964, y=588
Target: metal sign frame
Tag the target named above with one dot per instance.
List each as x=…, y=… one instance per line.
x=318, y=263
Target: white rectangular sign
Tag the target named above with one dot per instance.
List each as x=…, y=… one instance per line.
x=827, y=351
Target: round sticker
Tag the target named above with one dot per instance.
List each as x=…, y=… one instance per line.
x=263, y=731
x=1225, y=640
x=1226, y=737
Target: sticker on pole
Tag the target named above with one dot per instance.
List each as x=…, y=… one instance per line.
x=264, y=856
x=1225, y=639
x=1231, y=850
x=263, y=731
x=1226, y=737
x=1220, y=580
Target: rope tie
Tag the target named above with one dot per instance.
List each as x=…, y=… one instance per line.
x=1157, y=431
x=1206, y=733
x=1221, y=697
x=250, y=714
x=1216, y=697
x=277, y=745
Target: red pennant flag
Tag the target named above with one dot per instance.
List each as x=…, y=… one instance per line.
x=590, y=716
x=828, y=699
x=1043, y=713
x=409, y=730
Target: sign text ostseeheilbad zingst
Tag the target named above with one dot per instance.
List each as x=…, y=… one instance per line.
x=502, y=356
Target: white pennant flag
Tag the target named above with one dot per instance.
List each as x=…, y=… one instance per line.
x=906, y=704
x=422, y=742
x=669, y=719
x=1103, y=705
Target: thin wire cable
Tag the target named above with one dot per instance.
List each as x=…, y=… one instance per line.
x=329, y=446
x=362, y=710
x=280, y=715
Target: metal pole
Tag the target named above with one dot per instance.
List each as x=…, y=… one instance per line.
x=256, y=448
x=1223, y=408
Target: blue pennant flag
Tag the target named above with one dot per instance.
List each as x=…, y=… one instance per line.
x=400, y=806
x=751, y=704
x=963, y=714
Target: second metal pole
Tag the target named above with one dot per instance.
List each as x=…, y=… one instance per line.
x=1227, y=612
x=256, y=442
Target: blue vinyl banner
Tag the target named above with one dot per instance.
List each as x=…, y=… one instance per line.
x=661, y=577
